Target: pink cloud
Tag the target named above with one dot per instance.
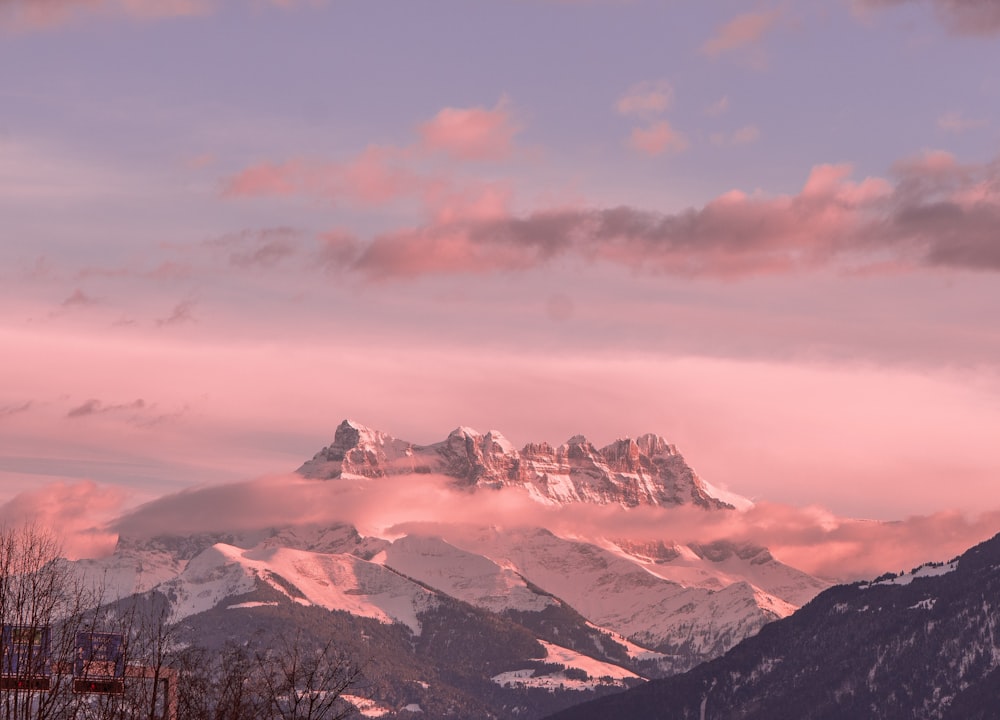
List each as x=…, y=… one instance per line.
x=955, y=122
x=646, y=98
x=35, y=14
x=75, y=511
x=470, y=133
x=746, y=135
x=376, y=176
x=742, y=31
x=938, y=213
x=810, y=538
x=657, y=139
x=963, y=17
x=382, y=174
x=719, y=107
x=29, y=14
x=267, y=179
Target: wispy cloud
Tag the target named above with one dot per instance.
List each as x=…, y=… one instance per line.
x=471, y=133
x=962, y=17
x=183, y=312
x=745, y=31
x=658, y=138
x=78, y=298
x=36, y=14
x=810, y=538
x=937, y=213
x=646, y=98
x=719, y=107
x=383, y=174
x=258, y=248
x=94, y=406
x=76, y=511
x=746, y=135
x=8, y=410
x=956, y=122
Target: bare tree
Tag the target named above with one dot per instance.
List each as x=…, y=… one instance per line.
x=219, y=685
x=45, y=606
x=305, y=680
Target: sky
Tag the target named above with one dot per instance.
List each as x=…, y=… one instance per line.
x=767, y=231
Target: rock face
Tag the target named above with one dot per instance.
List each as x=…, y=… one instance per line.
x=630, y=472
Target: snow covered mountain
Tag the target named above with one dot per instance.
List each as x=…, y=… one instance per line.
x=577, y=614
x=643, y=471
x=922, y=645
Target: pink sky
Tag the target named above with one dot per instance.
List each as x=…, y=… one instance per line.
x=709, y=223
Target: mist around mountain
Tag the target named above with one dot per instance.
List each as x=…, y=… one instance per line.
x=472, y=579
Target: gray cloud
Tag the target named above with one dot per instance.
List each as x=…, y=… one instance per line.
x=96, y=407
x=258, y=248
x=8, y=410
x=938, y=213
x=183, y=312
x=963, y=17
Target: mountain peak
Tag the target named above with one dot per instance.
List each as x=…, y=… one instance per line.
x=643, y=471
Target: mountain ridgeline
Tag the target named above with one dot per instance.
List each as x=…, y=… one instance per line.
x=923, y=645
x=464, y=620
x=642, y=471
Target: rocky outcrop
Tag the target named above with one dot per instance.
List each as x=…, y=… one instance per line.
x=630, y=472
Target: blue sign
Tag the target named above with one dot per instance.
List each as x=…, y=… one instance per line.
x=25, y=651
x=99, y=655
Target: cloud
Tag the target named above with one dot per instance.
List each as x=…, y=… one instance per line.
x=78, y=298
x=646, y=99
x=258, y=248
x=939, y=213
x=28, y=14
x=183, y=312
x=962, y=17
x=8, y=410
x=743, y=31
x=746, y=135
x=36, y=14
x=955, y=122
x=470, y=133
x=383, y=174
x=658, y=138
x=719, y=107
x=96, y=407
x=75, y=511
x=810, y=538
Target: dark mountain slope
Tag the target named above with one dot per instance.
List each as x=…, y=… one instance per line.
x=925, y=644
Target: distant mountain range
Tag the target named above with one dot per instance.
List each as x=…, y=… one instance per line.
x=919, y=645
x=482, y=621
x=643, y=471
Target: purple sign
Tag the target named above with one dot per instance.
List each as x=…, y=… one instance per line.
x=25, y=651
x=99, y=655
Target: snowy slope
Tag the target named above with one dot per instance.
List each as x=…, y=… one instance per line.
x=332, y=581
x=461, y=574
x=616, y=593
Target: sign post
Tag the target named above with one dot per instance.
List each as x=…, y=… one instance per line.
x=25, y=662
x=99, y=666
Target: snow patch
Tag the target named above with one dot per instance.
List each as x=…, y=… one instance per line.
x=367, y=707
x=727, y=496
x=598, y=672
x=932, y=570
x=253, y=604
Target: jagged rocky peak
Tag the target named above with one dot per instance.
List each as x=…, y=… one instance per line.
x=642, y=471
x=358, y=450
